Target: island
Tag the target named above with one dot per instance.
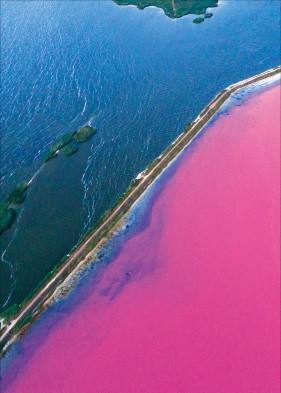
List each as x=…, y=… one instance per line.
x=63, y=141
x=83, y=135
x=198, y=20
x=173, y=8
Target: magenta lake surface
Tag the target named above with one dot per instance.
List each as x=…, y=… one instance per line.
x=190, y=300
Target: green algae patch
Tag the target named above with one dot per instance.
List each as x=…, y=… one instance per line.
x=69, y=150
x=84, y=134
x=198, y=20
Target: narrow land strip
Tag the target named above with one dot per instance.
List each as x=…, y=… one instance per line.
x=94, y=239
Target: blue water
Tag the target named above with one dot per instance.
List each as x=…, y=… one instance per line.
x=138, y=76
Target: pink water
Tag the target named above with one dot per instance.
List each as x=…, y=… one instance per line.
x=191, y=303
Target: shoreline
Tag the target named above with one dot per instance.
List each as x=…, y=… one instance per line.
x=94, y=240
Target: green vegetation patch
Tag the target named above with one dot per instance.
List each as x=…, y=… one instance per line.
x=84, y=134
x=7, y=213
x=9, y=312
x=7, y=216
x=64, y=140
x=198, y=20
x=69, y=150
x=208, y=15
x=16, y=196
x=49, y=156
